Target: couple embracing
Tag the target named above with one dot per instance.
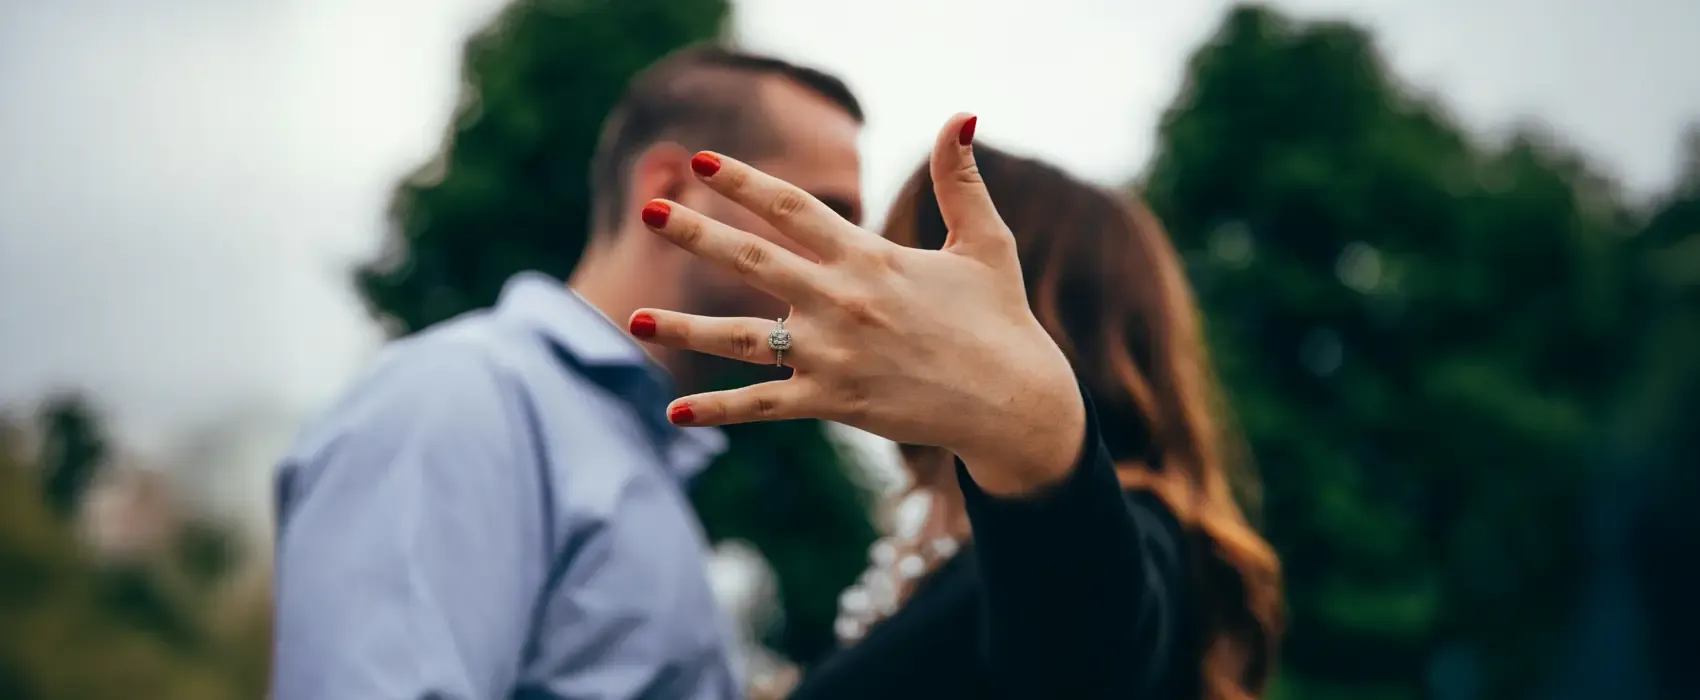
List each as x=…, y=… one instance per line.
x=495, y=510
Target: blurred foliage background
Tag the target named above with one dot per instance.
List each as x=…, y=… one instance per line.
x=159, y=617
x=1468, y=368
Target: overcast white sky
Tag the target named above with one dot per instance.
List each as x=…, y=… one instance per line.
x=184, y=183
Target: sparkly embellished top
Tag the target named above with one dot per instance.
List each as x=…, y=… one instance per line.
x=1076, y=594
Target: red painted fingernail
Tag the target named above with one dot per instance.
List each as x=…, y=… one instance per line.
x=966, y=136
x=706, y=164
x=681, y=415
x=655, y=214
x=643, y=326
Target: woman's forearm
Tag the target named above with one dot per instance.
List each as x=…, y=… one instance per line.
x=1082, y=586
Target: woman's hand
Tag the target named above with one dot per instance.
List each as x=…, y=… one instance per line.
x=919, y=346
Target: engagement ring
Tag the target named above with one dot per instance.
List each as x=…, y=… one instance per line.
x=780, y=340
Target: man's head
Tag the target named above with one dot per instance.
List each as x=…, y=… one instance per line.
x=795, y=123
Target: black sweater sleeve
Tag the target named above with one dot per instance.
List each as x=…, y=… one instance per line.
x=1082, y=585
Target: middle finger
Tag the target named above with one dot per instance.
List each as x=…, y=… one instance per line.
x=757, y=260
x=796, y=213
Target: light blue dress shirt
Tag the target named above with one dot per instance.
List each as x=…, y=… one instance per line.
x=495, y=510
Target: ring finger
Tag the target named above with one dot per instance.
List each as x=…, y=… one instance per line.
x=745, y=339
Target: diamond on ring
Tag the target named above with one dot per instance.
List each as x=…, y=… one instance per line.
x=779, y=340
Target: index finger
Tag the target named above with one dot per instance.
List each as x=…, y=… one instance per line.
x=761, y=262
x=795, y=213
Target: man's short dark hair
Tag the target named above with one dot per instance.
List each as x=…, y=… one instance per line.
x=702, y=97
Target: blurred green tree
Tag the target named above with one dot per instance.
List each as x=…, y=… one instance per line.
x=75, y=629
x=1417, y=332
x=1657, y=424
x=74, y=450
x=509, y=191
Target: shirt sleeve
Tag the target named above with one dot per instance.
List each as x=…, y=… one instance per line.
x=412, y=542
x=1082, y=584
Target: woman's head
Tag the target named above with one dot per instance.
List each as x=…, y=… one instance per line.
x=1105, y=281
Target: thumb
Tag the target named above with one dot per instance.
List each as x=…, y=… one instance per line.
x=965, y=204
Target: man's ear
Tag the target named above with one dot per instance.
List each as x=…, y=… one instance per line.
x=662, y=171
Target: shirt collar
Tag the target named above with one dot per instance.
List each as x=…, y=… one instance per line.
x=592, y=345
x=569, y=321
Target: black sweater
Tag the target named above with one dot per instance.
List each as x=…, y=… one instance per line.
x=1077, y=593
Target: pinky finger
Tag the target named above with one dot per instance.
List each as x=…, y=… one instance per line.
x=779, y=400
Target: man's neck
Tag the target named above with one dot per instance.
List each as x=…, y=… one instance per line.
x=608, y=280
x=597, y=281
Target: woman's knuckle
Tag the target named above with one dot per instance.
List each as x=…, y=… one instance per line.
x=860, y=308
x=885, y=258
x=787, y=205
x=766, y=406
x=689, y=231
x=749, y=257
x=744, y=345
x=735, y=178
x=968, y=173
x=832, y=358
x=854, y=401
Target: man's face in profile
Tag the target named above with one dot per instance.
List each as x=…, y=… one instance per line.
x=816, y=151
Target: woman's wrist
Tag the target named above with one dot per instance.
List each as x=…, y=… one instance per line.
x=1033, y=448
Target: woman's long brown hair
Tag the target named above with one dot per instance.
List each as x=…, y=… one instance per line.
x=1104, y=279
